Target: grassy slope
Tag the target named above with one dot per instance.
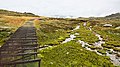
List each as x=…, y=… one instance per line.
x=110, y=34
x=86, y=35
x=9, y=24
x=10, y=21
x=13, y=13
x=51, y=33
x=70, y=54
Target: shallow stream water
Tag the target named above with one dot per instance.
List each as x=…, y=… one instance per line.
x=113, y=56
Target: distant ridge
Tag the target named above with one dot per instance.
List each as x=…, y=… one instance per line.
x=13, y=13
x=116, y=15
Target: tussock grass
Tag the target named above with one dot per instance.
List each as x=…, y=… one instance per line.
x=8, y=25
x=52, y=32
x=72, y=54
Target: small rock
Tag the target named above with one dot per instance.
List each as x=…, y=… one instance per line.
x=107, y=25
x=51, y=62
x=78, y=27
x=67, y=53
x=76, y=33
x=81, y=49
x=56, y=30
x=117, y=27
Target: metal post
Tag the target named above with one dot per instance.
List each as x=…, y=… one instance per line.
x=15, y=65
x=39, y=64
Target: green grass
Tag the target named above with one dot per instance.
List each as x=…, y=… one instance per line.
x=52, y=32
x=72, y=54
x=102, y=51
x=51, y=38
x=110, y=35
x=4, y=34
x=86, y=35
x=8, y=25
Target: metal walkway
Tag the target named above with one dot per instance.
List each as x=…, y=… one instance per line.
x=21, y=48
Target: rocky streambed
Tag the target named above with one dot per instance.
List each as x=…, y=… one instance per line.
x=110, y=52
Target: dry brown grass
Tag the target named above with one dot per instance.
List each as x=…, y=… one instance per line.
x=14, y=21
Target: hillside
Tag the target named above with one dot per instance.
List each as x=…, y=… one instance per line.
x=78, y=42
x=66, y=42
x=116, y=15
x=10, y=21
x=13, y=13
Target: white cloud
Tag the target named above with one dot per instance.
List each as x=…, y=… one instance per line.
x=63, y=7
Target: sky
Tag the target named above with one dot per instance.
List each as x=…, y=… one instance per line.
x=76, y=8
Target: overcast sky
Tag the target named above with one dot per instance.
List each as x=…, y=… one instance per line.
x=80, y=8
